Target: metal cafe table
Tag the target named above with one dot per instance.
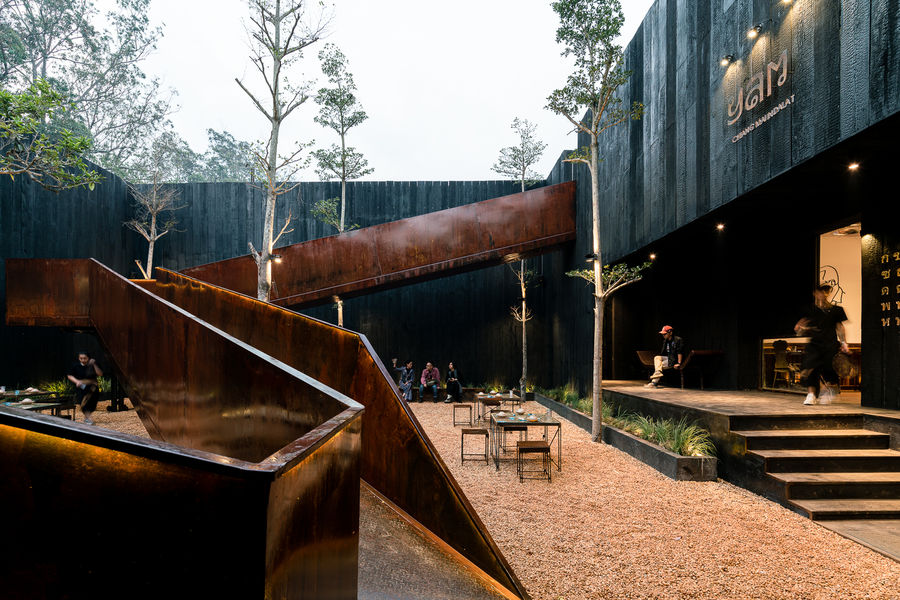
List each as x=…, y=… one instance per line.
x=502, y=420
x=38, y=401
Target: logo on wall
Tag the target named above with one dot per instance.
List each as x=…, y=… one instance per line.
x=753, y=97
x=830, y=276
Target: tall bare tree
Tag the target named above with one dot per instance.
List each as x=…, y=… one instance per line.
x=516, y=162
x=156, y=202
x=588, y=29
x=279, y=31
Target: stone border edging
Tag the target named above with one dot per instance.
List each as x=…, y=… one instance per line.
x=566, y=412
x=674, y=466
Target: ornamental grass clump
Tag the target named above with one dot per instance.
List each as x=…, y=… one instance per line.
x=680, y=437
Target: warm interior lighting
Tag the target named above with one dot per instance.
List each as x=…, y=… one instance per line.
x=727, y=60
x=853, y=166
x=720, y=226
x=652, y=256
x=754, y=31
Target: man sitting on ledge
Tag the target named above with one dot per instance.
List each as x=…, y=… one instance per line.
x=670, y=356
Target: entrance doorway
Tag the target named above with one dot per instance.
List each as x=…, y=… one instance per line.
x=839, y=265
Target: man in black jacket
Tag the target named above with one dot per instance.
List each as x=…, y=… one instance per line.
x=670, y=356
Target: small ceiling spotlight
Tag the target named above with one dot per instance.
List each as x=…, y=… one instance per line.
x=720, y=226
x=786, y=1
x=853, y=166
x=754, y=32
x=652, y=256
x=727, y=60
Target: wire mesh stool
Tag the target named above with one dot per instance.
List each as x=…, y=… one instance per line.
x=466, y=419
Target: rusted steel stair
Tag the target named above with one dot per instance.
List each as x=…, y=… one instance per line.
x=437, y=244
x=825, y=467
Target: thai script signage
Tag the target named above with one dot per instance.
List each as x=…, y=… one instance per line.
x=890, y=290
x=758, y=89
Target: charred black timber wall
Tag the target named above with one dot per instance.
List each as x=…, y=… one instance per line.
x=767, y=170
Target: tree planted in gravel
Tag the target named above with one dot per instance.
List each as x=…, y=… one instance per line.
x=516, y=162
x=279, y=32
x=588, y=30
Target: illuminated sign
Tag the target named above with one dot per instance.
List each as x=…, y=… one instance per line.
x=760, y=87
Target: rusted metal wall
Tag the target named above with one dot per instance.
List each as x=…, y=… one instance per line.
x=267, y=461
x=397, y=458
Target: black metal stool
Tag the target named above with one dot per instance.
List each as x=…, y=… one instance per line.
x=463, y=408
x=480, y=431
x=533, y=447
x=522, y=430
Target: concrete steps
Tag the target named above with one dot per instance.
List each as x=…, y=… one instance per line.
x=826, y=467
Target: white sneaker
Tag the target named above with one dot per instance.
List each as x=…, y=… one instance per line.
x=810, y=398
x=652, y=384
x=827, y=395
x=88, y=421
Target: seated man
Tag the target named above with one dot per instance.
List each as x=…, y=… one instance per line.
x=432, y=378
x=84, y=375
x=670, y=356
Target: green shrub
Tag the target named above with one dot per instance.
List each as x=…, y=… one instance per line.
x=60, y=386
x=681, y=437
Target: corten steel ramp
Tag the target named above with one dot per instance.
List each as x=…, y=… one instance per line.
x=253, y=494
x=396, y=457
x=437, y=244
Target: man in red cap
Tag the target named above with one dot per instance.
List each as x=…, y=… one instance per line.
x=670, y=356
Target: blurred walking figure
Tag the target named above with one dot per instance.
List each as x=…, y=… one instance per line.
x=824, y=324
x=84, y=374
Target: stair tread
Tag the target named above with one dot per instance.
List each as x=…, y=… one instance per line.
x=839, y=477
x=846, y=505
x=770, y=433
x=829, y=453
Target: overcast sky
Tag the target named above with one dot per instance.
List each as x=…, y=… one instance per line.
x=441, y=81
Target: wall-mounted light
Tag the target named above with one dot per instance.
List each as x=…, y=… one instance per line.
x=590, y=257
x=853, y=166
x=754, y=31
x=276, y=258
x=653, y=256
x=720, y=226
x=726, y=60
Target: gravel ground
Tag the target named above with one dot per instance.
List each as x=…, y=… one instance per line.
x=126, y=421
x=609, y=526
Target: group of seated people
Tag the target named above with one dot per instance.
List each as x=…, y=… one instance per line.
x=430, y=378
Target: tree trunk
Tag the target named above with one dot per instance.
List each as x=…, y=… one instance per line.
x=264, y=260
x=597, y=380
x=151, y=243
x=343, y=182
x=523, y=382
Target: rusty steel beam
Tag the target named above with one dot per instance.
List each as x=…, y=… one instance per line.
x=408, y=251
x=253, y=490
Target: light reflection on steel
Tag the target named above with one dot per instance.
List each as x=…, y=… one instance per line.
x=410, y=250
x=260, y=496
x=397, y=459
